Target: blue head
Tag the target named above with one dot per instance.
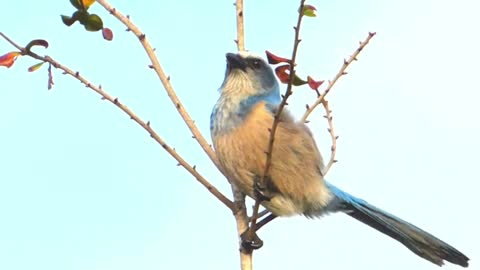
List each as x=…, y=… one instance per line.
x=248, y=80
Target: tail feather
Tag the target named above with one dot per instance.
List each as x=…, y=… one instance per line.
x=417, y=240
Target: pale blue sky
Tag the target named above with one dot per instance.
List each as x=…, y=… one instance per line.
x=83, y=187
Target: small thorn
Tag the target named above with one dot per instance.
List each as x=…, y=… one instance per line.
x=154, y=49
x=307, y=121
x=344, y=73
x=307, y=106
x=64, y=73
x=336, y=137
x=178, y=105
x=345, y=62
x=77, y=74
x=329, y=130
x=88, y=85
x=371, y=34
x=128, y=30
x=168, y=78
x=178, y=164
x=150, y=66
x=325, y=116
x=332, y=148
x=148, y=123
x=115, y=101
x=112, y=11
x=128, y=17
x=335, y=161
x=194, y=167
x=102, y=98
x=141, y=37
x=100, y=86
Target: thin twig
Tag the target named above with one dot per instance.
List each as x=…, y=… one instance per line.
x=240, y=28
x=340, y=73
x=164, y=79
x=133, y=116
x=276, y=120
x=334, y=138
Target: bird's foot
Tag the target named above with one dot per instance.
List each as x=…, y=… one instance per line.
x=250, y=242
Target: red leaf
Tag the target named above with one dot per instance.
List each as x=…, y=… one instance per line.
x=314, y=84
x=107, y=34
x=8, y=59
x=283, y=73
x=273, y=59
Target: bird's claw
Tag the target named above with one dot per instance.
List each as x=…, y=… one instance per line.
x=260, y=190
x=252, y=242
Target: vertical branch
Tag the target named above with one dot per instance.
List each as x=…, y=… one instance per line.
x=240, y=29
x=334, y=138
x=287, y=94
x=240, y=213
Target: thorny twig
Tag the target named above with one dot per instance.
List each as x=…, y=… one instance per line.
x=340, y=73
x=133, y=116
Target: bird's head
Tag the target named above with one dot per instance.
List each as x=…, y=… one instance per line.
x=249, y=75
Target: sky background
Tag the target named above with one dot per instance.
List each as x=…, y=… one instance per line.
x=83, y=187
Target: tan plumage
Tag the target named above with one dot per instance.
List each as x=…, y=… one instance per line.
x=295, y=171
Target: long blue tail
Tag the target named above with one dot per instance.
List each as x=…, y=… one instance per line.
x=417, y=240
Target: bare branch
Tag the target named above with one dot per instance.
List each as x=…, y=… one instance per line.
x=133, y=116
x=276, y=120
x=334, y=138
x=340, y=73
x=240, y=28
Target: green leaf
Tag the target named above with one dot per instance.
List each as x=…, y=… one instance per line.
x=309, y=11
x=68, y=20
x=93, y=23
x=77, y=4
x=297, y=81
x=35, y=67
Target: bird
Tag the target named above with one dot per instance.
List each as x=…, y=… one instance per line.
x=240, y=126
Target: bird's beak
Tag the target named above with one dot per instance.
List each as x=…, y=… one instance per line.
x=235, y=61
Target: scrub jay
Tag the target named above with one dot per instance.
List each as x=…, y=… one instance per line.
x=239, y=126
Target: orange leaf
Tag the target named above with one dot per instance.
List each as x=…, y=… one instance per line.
x=87, y=3
x=8, y=59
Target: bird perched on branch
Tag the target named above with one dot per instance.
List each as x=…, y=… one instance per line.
x=240, y=126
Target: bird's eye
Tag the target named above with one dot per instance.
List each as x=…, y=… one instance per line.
x=256, y=64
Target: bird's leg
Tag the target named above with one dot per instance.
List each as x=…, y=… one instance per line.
x=264, y=221
x=263, y=189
